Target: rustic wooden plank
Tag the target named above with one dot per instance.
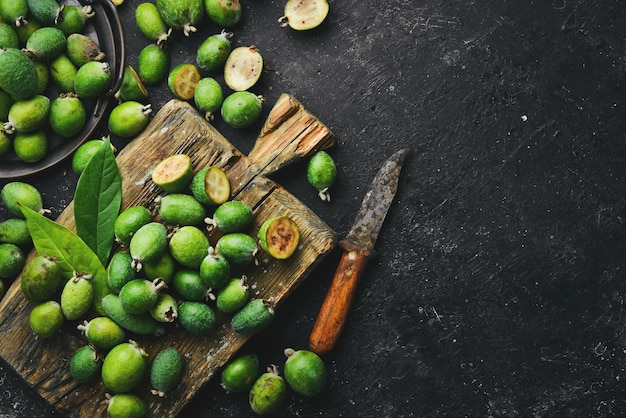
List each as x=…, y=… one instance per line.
x=290, y=133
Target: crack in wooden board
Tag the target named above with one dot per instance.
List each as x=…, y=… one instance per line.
x=290, y=133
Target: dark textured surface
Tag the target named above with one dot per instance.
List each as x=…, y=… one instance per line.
x=499, y=284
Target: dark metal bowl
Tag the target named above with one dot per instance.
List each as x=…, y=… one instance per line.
x=106, y=29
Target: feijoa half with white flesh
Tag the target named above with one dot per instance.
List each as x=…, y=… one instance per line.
x=304, y=14
x=217, y=185
x=243, y=68
x=174, y=173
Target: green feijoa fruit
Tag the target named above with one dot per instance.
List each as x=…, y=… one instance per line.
x=81, y=49
x=305, y=372
x=14, y=12
x=181, y=14
x=43, y=76
x=254, y=317
x=151, y=24
x=182, y=81
x=129, y=221
x=8, y=36
x=208, y=97
x=15, y=231
x=73, y=18
x=189, y=285
x=67, y=115
x=120, y=271
x=243, y=68
x=30, y=147
x=321, y=172
x=46, y=319
x=85, y=152
x=142, y=324
x=11, y=260
x=63, y=73
x=6, y=101
x=225, y=13
x=240, y=373
x=173, y=174
x=126, y=405
x=231, y=216
x=163, y=268
x=166, y=371
x=279, y=237
x=18, y=75
x=124, y=367
x=46, y=43
x=268, y=393
x=45, y=11
x=77, y=296
x=304, y=14
x=238, y=248
x=42, y=278
x=233, y=296
x=165, y=309
x=85, y=364
x=181, y=209
x=148, y=243
x=132, y=87
x=241, y=109
x=18, y=193
x=129, y=118
x=102, y=332
x=189, y=246
x=214, y=270
x=139, y=295
x=93, y=79
x=213, y=51
x=153, y=64
x=196, y=317
x=28, y=115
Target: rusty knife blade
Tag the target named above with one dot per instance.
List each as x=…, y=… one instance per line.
x=376, y=203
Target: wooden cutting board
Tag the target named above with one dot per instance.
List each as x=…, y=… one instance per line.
x=289, y=133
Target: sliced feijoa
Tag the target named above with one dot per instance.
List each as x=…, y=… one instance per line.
x=174, y=173
x=217, y=185
x=304, y=14
x=182, y=81
x=279, y=237
x=243, y=68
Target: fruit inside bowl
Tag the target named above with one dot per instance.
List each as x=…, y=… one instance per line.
x=56, y=141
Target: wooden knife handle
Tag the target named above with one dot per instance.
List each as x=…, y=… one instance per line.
x=336, y=305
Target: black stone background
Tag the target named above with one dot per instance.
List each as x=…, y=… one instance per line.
x=498, y=289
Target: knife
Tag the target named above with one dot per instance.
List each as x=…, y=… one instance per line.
x=358, y=248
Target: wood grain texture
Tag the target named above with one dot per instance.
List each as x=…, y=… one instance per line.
x=289, y=134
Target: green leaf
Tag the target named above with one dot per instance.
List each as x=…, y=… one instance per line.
x=97, y=202
x=69, y=249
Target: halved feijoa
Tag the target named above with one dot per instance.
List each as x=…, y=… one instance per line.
x=217, y=185
x=304, y=14
x=279, y=237
x=174, y=173
x=182, y=81
x=243, y=68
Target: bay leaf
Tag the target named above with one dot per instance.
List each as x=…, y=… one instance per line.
x=97, y=201
x=73, y=254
